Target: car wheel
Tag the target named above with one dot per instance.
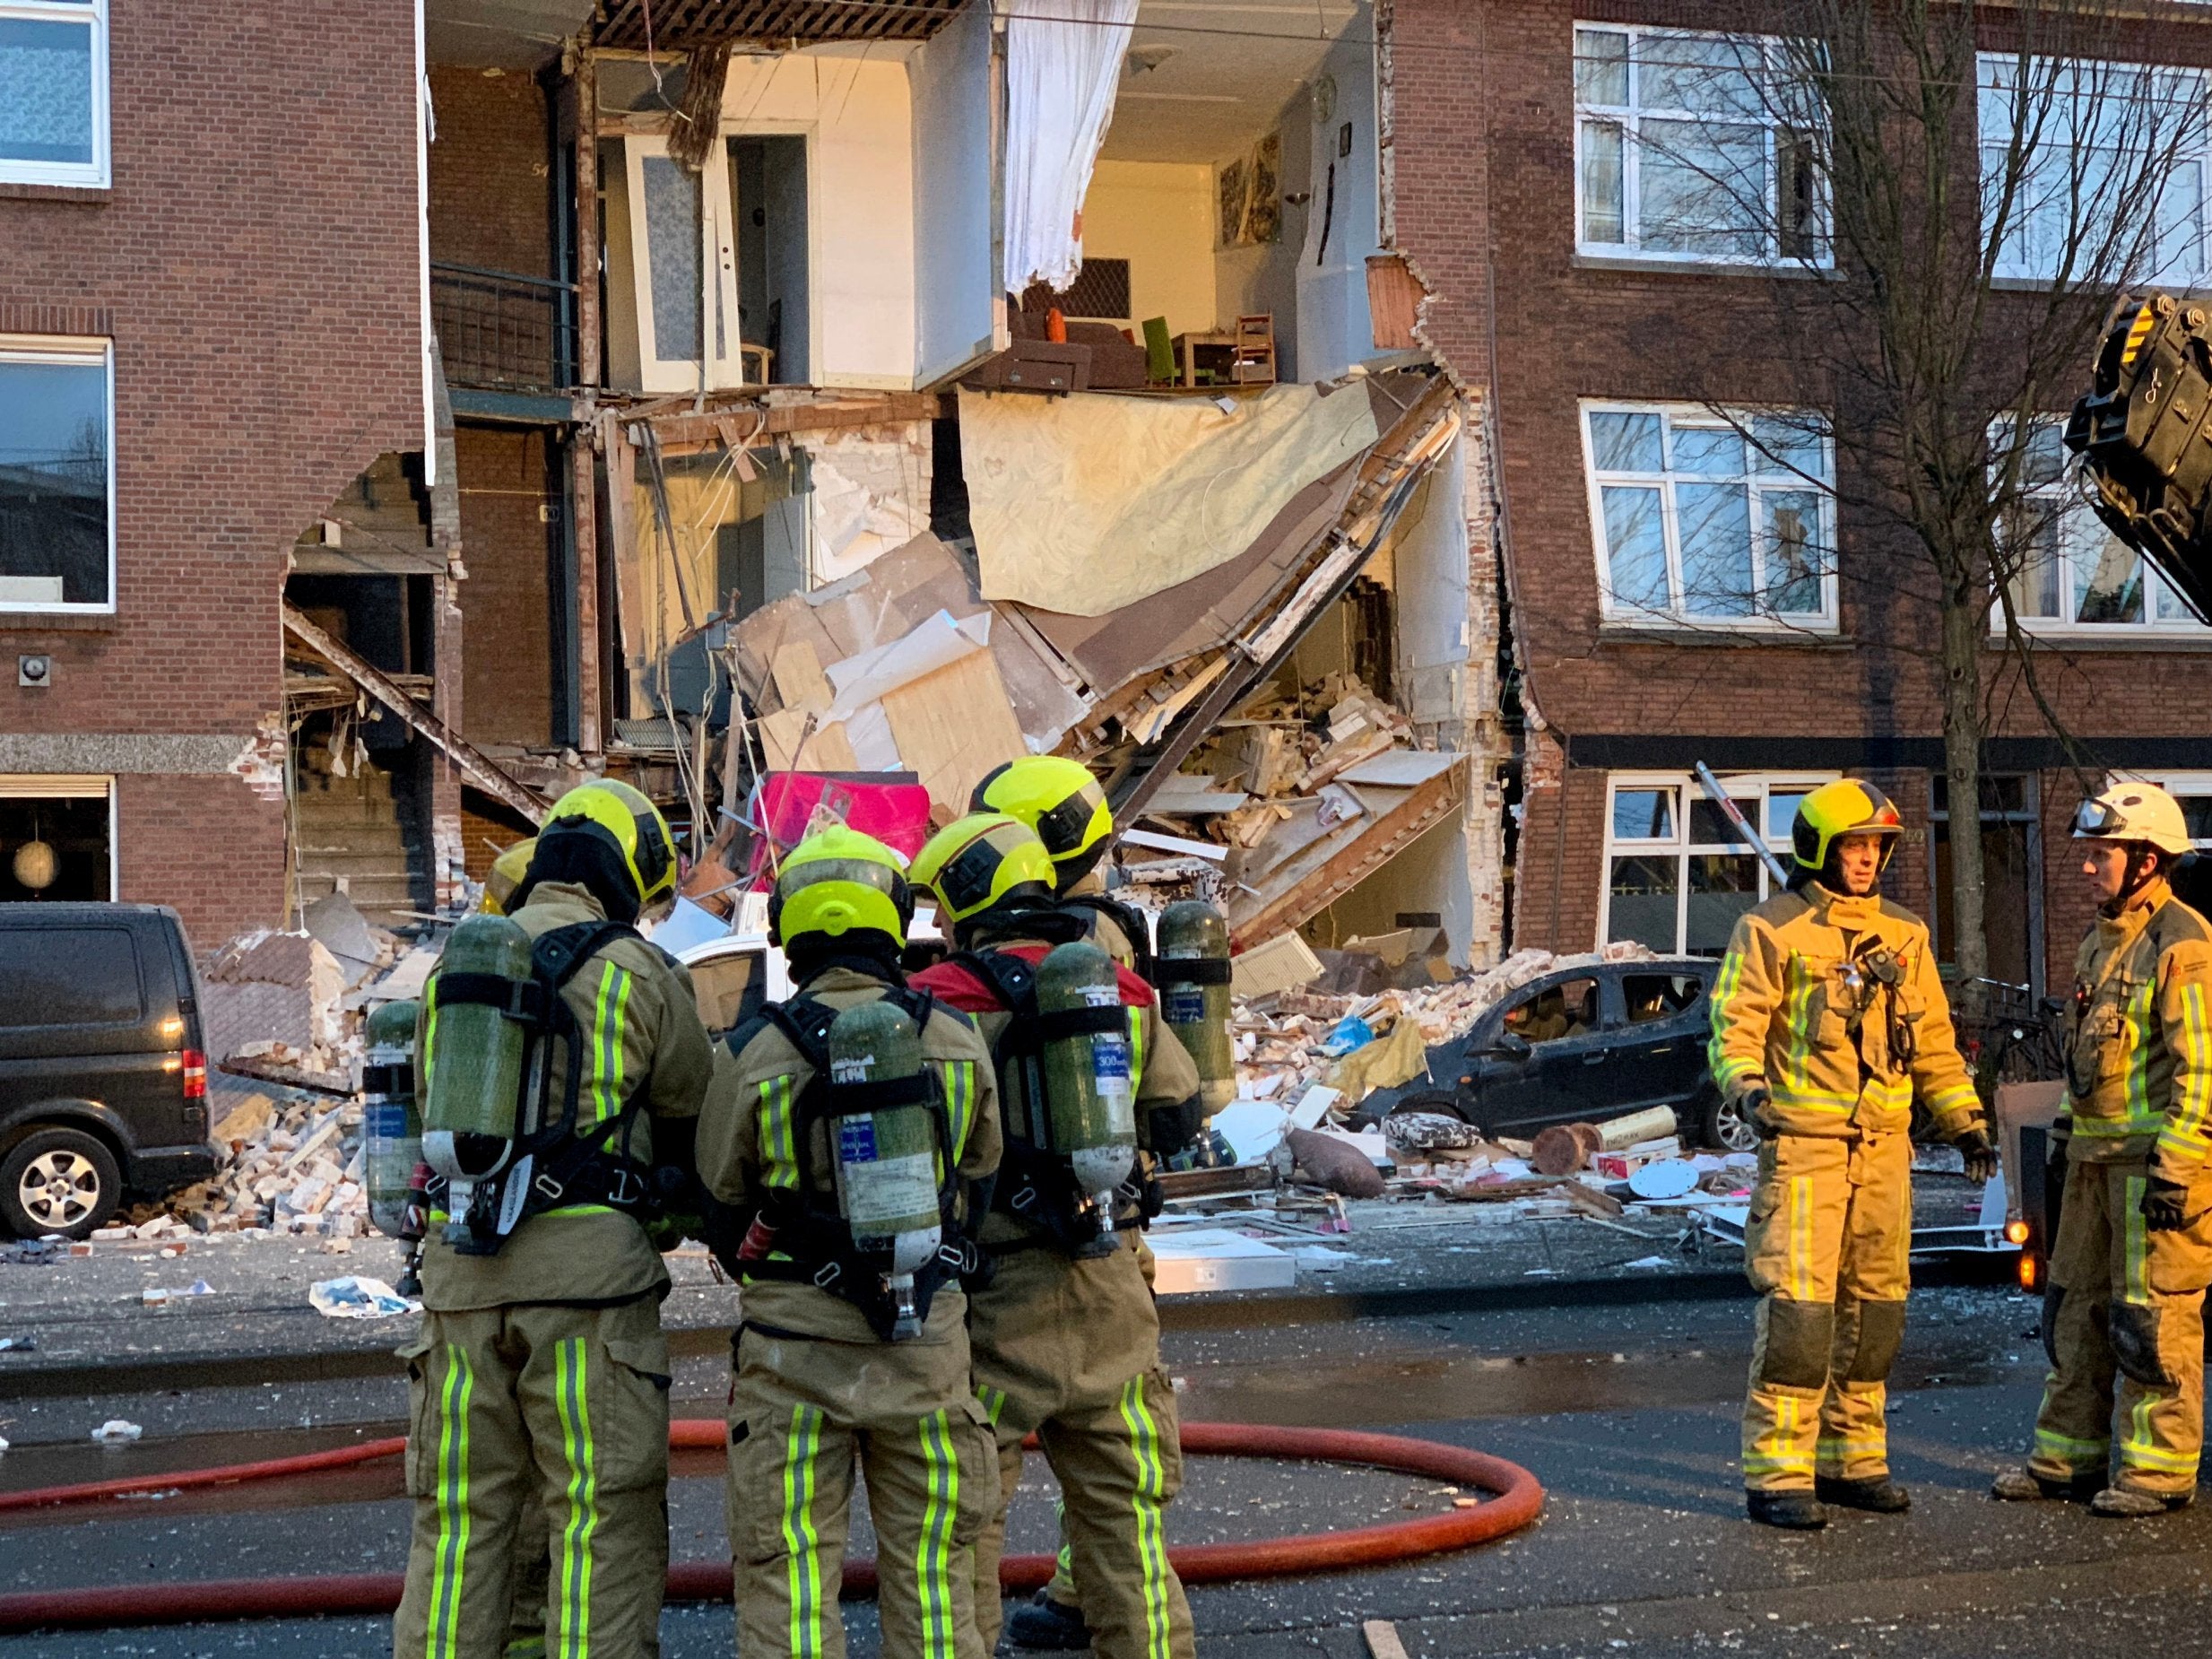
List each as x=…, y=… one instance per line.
x=1726, y=1126
x=59, y=1181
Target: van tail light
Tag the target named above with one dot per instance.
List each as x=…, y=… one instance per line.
x=195, y=1074
x=2031, y=1270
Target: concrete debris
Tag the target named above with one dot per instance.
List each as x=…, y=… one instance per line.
x=292, y=1161
x=115, y=1431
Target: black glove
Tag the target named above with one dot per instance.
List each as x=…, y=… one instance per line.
x=1979, y=1156
x=2166, y=1204
x=1757, y=1106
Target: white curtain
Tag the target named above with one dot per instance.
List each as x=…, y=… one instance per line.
x=1063, y=60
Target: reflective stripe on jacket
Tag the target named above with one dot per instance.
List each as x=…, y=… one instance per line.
x=1833, y=1005
x=2138, y=1035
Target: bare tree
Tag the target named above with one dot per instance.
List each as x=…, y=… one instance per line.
x=1968, y=190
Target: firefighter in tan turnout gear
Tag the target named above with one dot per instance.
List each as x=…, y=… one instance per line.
x=1827, y=1018
x=847, y=1148
x=1065, y=1333
x=561, y=1065
x=2124, y=1303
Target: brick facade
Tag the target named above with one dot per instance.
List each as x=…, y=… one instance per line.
x=255, y=264
x=1482, y=159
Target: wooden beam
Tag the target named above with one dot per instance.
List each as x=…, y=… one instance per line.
x=760, y=419
x=474, y=765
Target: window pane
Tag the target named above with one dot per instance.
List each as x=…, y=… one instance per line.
x=1786, y=445
x=2108, y=582
x=1703, y=450
x=1782, y=813
x=53, y=483
x=1644, y=815
x=2180, y=255
x=1794, y=556
x=1722, y=887
x=2196, y=809
x=1709, y=825
x=1635, y=546
x=1558, y=1012
x=2032, y=547
x=1715, y=526
x=673, y=241
x=1705, y=75
x=68, y=975
x=46, y=91
x=1625, y=443
x=2043, y=454
x=1655, y=996
x=1601, y=182
x=1643, y=906
x=1702, y=189
x=1601, y=67
x=2171, y=607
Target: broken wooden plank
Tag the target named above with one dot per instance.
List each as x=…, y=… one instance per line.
x=474, y=765
x=954, y=725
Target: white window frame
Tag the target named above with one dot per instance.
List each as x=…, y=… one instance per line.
x=2081, y=535
x=92, y=14
x=73, y=786
x=2181, y=785
x=1629, y=116
x=2008, y=268
x=717, y=266
x=1751, y=791
x=1616, y=611
x=81, y=352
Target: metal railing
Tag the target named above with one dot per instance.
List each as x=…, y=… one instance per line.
x=499, y=328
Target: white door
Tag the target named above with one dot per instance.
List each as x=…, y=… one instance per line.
x=684, y=252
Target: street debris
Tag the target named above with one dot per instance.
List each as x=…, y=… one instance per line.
x=353, y=1297
x=161, y=1296
x=115, y=1431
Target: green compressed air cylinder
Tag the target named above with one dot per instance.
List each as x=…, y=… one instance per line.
x=1088, y=1116
x=887, y=1151
x=1192, y=967
x=475, y=1054
x=391, y=1131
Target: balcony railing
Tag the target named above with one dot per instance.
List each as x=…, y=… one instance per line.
x=498, y=328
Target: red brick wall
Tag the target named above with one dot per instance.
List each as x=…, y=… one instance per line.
x=507, y=670
x=489, y=190
x=1483, y=128
x=255, y=264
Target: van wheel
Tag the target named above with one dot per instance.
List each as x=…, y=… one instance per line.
x=59, y=1181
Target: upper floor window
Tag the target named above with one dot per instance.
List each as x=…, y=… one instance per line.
x=1678, y=874
x=2094, y=171
x=2071, y=574
x=54, y=91
x=1683, y=150
x=1711, y=519
x=57, y=475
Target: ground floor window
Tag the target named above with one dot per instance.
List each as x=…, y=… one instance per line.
x=56, y=839
x=1676, y=873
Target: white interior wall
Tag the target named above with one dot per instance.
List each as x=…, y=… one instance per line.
x=1429, y=558
x=951, y=78
x=1159, y=216
x=1333, y=330
x=857, y=114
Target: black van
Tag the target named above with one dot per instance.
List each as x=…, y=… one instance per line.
x=103, y=1067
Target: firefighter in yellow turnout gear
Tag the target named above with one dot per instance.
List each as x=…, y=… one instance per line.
x=539, y=1383
x=1827, y=1017
x=1065, y=1332
x=838, y=1362
x=2124, y=1303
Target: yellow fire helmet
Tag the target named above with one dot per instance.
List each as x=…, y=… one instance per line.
x=2133, y=812
x=838, y=880
x=508, y=871
x=981, y=861
x=1059, y=799
x=1845, y=807
x=640, y=834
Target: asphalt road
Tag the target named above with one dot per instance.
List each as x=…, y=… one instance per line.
x=1628, y=1415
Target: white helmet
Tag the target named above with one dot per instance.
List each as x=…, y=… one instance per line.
x=2133, y=812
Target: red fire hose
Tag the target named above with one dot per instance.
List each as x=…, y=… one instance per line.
x=1518, y=1500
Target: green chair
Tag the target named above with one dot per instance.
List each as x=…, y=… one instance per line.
x=1159, y=353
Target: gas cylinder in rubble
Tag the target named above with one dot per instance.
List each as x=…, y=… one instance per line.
x=887, y=1153
x=1088, y=1115
x=391, y=1132
x=474, y=1059
x=1190, y=967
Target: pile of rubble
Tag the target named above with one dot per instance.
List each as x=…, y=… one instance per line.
x=293, y=1163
